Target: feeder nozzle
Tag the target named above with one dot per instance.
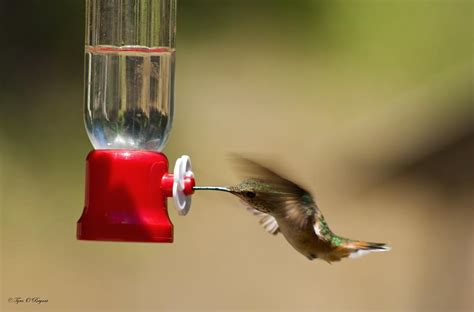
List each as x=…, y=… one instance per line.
x=211, y=188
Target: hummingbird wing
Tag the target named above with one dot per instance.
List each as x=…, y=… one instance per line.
x=287, y=199
x=268, y=222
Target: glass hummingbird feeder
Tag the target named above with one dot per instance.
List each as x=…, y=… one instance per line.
x=128, y=113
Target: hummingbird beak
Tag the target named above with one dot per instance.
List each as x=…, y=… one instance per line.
x=212, y=188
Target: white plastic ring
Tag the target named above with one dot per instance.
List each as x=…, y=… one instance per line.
x=182, y=170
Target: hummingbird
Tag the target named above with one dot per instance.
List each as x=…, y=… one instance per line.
x=285, y=207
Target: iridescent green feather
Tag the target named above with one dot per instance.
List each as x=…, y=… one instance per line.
x=328, y=235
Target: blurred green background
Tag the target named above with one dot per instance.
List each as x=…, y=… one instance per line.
x=368, y=104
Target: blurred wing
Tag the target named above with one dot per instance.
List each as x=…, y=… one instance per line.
x=250, y=169
x=268, y=222
x=286, y=197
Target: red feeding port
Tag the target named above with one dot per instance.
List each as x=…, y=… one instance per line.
x=124, y=197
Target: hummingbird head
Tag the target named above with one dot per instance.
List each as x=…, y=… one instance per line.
x=253, y=192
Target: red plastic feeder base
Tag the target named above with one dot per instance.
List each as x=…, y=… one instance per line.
x=124, y=198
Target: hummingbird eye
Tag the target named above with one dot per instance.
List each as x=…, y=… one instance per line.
x=250, y=194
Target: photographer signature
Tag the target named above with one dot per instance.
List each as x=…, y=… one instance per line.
x=28, y=300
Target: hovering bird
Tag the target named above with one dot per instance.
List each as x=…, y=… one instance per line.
x=286, y=208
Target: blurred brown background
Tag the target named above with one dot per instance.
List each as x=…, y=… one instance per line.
x=369, y=104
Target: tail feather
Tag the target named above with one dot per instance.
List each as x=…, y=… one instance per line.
x=353, y=249
x=359, y=248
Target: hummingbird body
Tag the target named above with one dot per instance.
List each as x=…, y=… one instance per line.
x=286, y=208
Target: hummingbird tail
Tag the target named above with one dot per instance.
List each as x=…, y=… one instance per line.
x=354, y=249
x=360, y=248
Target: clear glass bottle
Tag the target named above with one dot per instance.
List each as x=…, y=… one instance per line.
x=129, y=74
